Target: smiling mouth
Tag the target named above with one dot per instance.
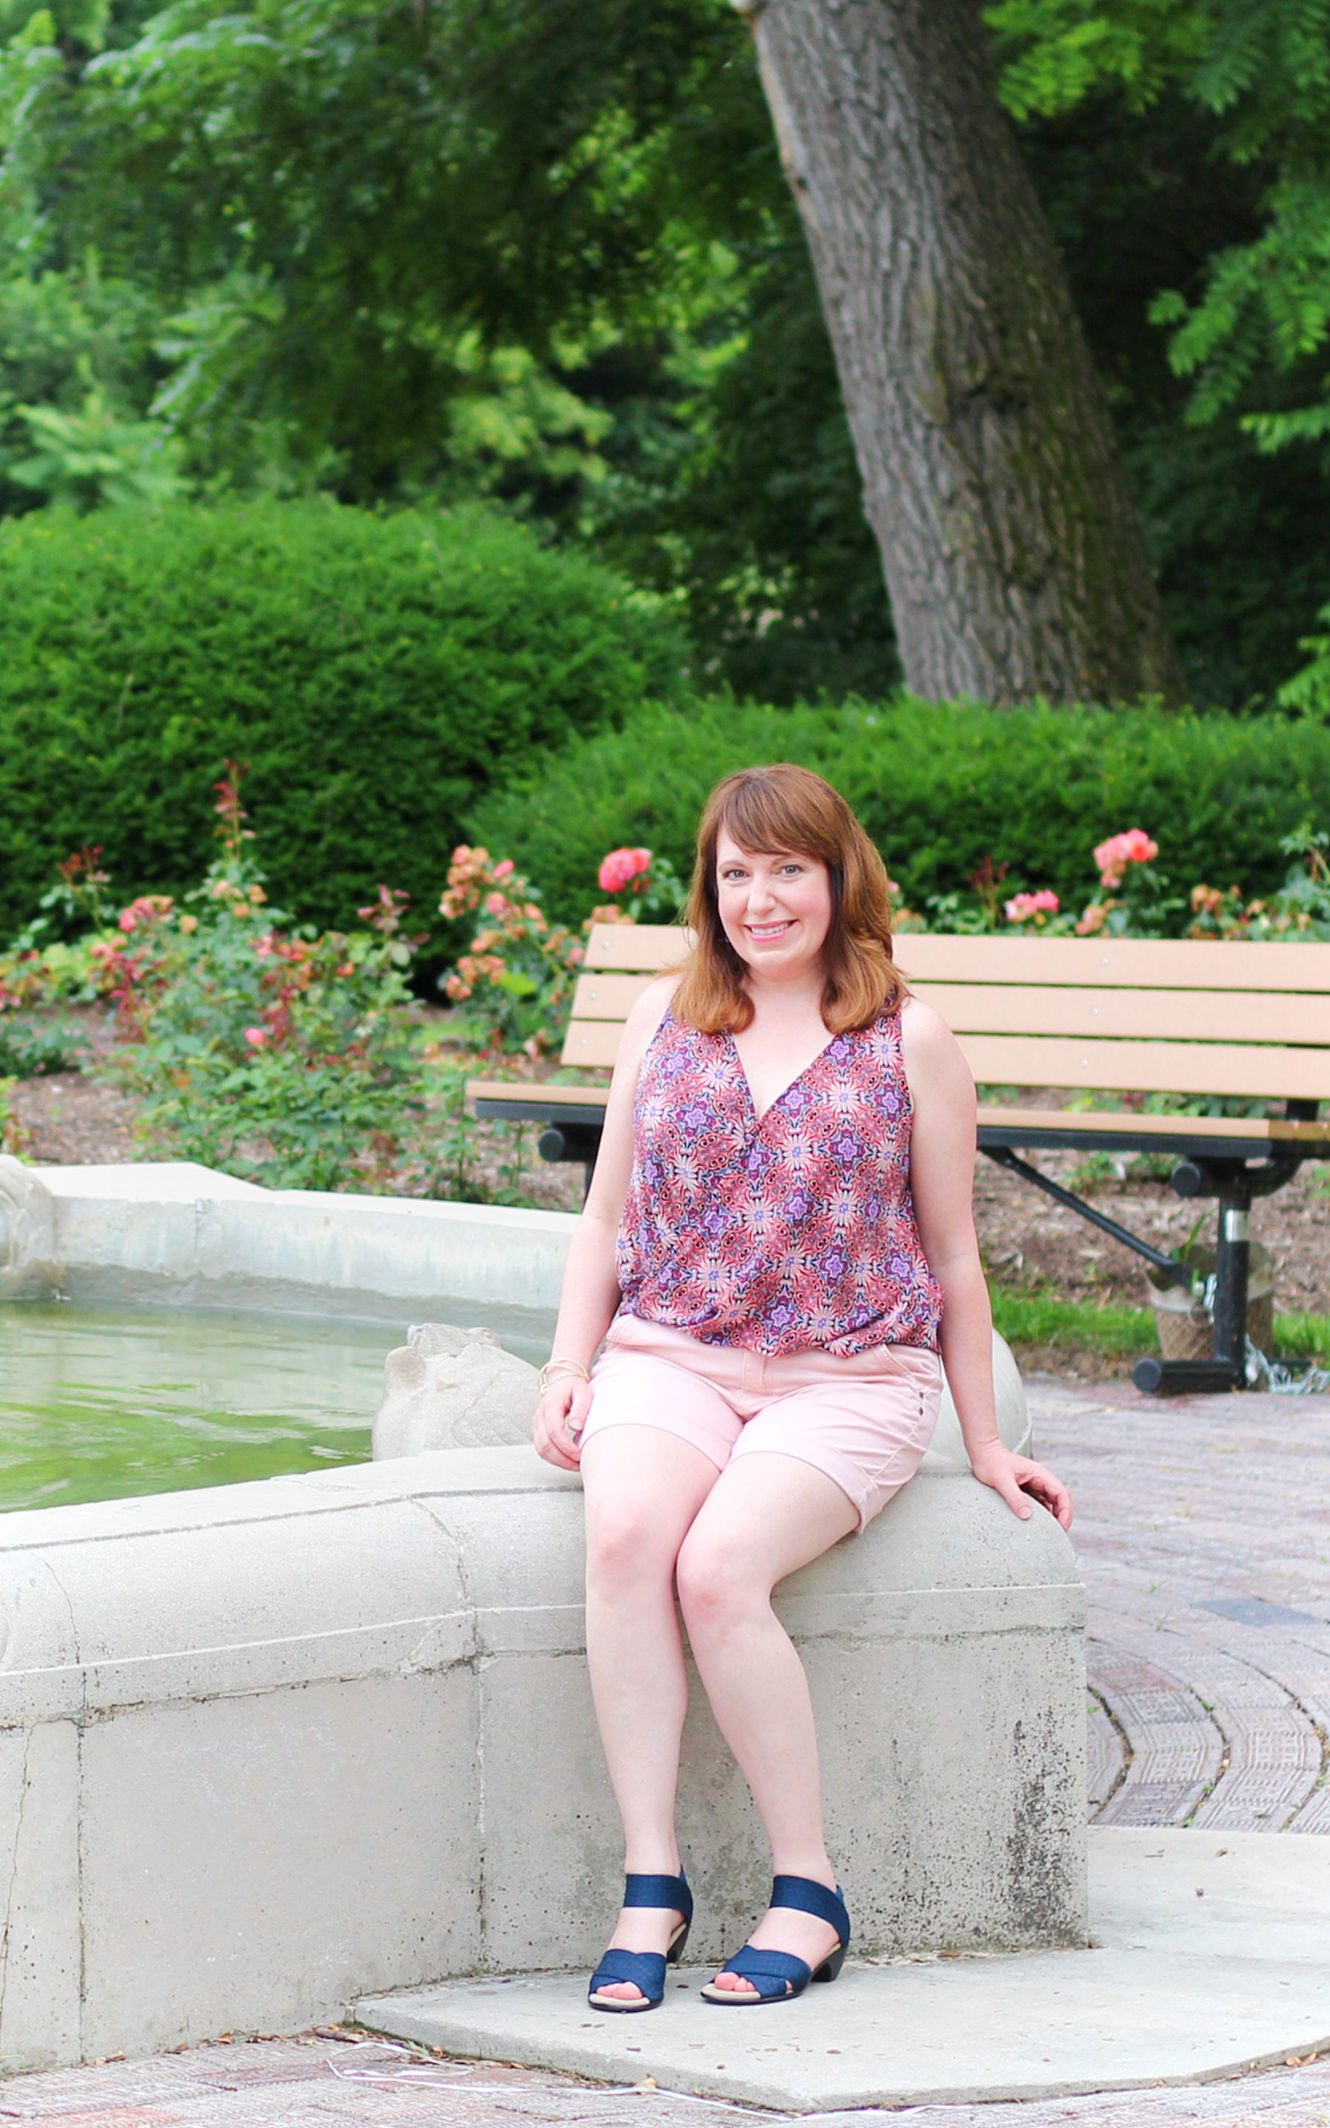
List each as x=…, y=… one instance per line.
x=768, y=930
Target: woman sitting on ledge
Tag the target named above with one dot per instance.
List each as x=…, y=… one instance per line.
x=777, y=1241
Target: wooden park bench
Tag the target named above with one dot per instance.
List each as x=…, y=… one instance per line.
x=1218, y=1020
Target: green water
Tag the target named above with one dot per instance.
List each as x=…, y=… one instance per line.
x=99, y=1403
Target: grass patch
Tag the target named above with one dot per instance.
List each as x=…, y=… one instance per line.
x=1047, y=1332
x=1304, y=1334
x=1044, y=1319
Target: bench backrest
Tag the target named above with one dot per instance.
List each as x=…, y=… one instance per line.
x=1194, y=1016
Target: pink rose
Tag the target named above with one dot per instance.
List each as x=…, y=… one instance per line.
x=1022, y=907
x=1132, y=847
x=256, y=1037
x=505, y=868
x=621, y=867
x=495, y=905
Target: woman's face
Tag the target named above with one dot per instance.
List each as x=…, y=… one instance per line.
x=775, y=908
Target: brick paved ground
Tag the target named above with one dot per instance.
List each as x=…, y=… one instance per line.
x=1204, y=1534
x=1204, y=1531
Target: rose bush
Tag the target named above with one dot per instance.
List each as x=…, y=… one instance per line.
x=292, y=1057
x=519, y=969
x=1032, y=908
x=1134, y=901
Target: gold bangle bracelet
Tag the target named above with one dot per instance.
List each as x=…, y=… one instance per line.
x=561, y=1366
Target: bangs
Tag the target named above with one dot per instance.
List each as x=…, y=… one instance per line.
x=767, y=813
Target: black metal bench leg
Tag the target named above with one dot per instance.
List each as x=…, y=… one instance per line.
x=1235, y=1185
x=572, y=1141
x=1232, y=1270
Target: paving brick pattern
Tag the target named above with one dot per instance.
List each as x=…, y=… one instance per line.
x=1203, y=1528
x=308, y=2082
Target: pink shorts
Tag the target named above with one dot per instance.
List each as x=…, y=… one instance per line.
x=865, y=1420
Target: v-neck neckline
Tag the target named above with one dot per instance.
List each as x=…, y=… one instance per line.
x=759, y=1116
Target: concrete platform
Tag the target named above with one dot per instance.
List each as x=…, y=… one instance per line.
x=1210, y=1955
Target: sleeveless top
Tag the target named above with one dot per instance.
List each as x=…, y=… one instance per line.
x=779, y=1232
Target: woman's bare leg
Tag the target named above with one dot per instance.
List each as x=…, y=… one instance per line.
x=766, y=1516
x=643, y=1489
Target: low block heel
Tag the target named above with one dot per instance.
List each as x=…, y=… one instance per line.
x=830, y=1967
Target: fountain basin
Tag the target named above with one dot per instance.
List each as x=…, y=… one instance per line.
x=268, y=1748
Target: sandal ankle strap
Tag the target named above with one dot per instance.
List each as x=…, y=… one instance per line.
x=640, y=1889
x=806, y=1896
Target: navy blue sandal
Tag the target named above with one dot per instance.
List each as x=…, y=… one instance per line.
x=644, y=1970
x=776, y=1975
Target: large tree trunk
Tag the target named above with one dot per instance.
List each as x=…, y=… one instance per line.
x=1013, y=556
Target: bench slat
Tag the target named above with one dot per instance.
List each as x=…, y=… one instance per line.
x=538, y=1092
x=931, y=957
x=653, y=946
x=608, y=997
x=1114, y=1123
x=1158, y=1015
x=1035, y=1060
x=1149, y=1067
x=1141, y=963
x=592, y=1042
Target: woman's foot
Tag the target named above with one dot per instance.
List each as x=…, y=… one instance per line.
x=792, y=1931
x=658, y=1932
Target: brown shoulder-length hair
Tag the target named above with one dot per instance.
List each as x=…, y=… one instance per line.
x=769, y=810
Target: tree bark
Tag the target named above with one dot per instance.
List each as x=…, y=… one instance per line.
x=1013, y=555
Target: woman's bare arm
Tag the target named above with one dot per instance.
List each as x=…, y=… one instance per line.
x=942, y=1149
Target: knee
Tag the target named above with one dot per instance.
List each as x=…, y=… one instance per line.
x=624, y=1545
x=717, y=1586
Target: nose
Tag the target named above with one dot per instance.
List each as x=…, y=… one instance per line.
x=760, y=895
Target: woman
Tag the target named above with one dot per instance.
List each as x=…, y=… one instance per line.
x=778, y=1240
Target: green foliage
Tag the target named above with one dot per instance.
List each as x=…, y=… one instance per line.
x=76, y=363
x=943, y=790
x=547, y=255
x=285, y=1055
x=94, y=456
x=1309, y=690
x=1263, y=73
x=31, y=1048
x=747, y=508
x=375, y=673
x=345, y=201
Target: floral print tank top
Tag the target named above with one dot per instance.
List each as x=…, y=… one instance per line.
x=784, y=1231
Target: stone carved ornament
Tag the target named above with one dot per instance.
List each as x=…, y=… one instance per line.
x=449, y=1388
x=28, y=1269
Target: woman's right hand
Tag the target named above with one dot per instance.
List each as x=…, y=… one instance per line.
x=560, y=1416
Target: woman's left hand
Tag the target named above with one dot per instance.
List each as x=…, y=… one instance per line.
x=1017, y=1477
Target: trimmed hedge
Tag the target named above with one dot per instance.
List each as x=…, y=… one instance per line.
x=377, y=673
x=939, y=787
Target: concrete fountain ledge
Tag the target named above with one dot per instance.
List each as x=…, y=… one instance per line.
x=268, y=1749
x=175, y=1233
